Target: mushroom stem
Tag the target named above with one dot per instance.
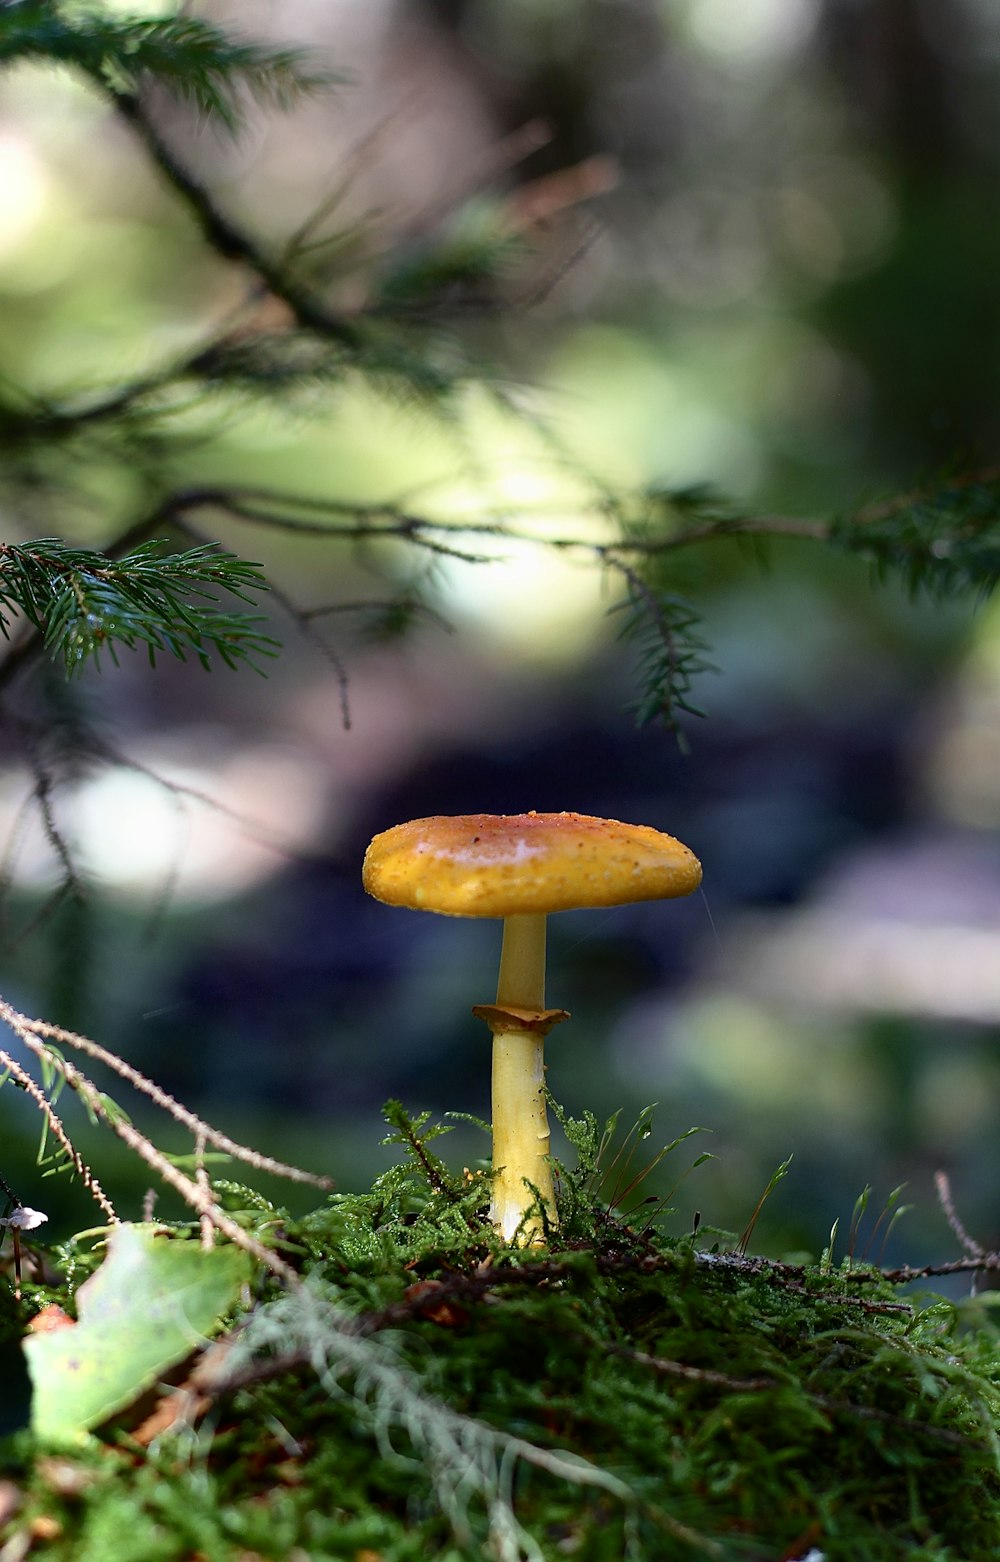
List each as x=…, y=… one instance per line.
x=522, y=963
x=521, y=1139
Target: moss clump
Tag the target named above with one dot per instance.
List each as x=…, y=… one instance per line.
x=426, y=1393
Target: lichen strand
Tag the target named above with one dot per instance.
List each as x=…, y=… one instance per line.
x=753, y=1410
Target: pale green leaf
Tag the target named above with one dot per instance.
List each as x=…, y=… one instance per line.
x=153, y=1301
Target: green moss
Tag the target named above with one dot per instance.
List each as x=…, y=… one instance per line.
x=620, y=1393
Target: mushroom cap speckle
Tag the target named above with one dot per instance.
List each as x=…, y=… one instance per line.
x=500, y=865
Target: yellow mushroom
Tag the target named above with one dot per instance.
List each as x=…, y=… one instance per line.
x=520, y=867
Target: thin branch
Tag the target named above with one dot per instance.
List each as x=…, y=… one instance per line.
x=202, y=1180
x=256, y=829
x=38, y=918
x=843, y=1407
x=72, y=884
x=388, y=521
x=942, y=1184
x=308, y=631
x=487, y=1278
x=380, y=605
x=886, y=508
x=385, y=520
x=304, y=238
x=45, y=1030
x=47, y=418
x=226, y=237
x=198, y=1198
x=362, y=522
x=989, y=1263
x=375, y=525
x=681, y=1369
x=53, y=1122
x=805, y=528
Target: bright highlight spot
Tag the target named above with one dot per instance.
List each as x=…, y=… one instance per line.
x=539, y=605
x=206, y=830
x=752, y=30
x=23, y=191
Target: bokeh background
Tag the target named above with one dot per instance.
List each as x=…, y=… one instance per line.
x=768, y=262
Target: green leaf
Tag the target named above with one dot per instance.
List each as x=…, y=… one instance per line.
x=152, y=1302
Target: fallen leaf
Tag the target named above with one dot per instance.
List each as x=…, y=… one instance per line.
x=151, y=1303
x=178, y=1405
x=50, y=1318
x=448, y=1314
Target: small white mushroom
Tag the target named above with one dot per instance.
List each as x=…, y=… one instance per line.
x=22, y=1218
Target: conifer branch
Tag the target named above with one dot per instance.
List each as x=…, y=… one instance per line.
x=83, y=603
x=663, y=626
x=943, y=537
x=194, y=60
x=945, y=540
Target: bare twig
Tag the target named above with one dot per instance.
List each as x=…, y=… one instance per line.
x=989, y=1263
x=54, y=1123
x=308, y=630
x=196, y=1198
x=197, y=1194
x=942, y=1184
x=201, y=1179
x=226, y=237
x=682, y=1369
x=45, y=1030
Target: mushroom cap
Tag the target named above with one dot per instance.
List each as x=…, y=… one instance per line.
x=501, y=865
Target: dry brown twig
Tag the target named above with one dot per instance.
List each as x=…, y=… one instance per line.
x=55, y=1127
x=38, y=1036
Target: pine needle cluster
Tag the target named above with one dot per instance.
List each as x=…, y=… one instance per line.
x=85, y=604
x=197, y=62
x=943, y=540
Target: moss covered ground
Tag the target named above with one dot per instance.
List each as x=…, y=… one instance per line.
x=620, y=1392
